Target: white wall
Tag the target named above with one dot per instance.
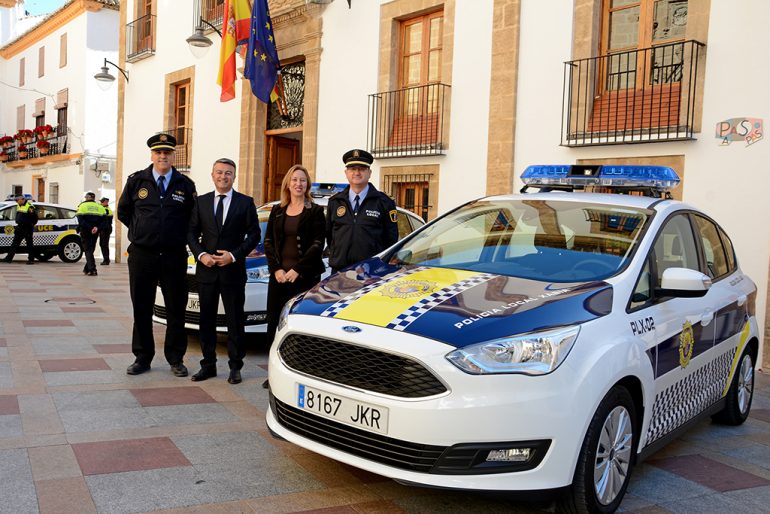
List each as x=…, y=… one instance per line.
x=349, y=72
x=730, y=183
x=216, y=125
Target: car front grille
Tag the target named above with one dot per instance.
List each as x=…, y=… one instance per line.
x=368, y=445
x=193, y=318
x=356, y=366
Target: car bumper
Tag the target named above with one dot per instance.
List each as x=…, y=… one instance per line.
x=475, y=414
x=255, y=309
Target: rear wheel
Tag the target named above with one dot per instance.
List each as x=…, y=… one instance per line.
x=738, y=399
x=70, y=249
x=606, y=457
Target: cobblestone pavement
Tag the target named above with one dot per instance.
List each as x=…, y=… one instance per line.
x=78, y=435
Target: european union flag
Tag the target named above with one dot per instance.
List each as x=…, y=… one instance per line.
x=262, y=57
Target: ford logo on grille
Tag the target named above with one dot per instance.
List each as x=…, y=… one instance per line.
x=351, y=329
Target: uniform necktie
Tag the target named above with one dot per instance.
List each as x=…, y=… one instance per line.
x=220, y=213
x=162, y=185
x=356, y=205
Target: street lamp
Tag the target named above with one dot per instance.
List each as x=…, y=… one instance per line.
x=104, y=78
x=199, y=43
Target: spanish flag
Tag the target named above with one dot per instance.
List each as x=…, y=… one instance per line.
x=235, y=31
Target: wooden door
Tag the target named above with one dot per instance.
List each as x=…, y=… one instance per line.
x=40, y=189
x=282, y=154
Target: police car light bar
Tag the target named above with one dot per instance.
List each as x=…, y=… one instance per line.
x=656, y=180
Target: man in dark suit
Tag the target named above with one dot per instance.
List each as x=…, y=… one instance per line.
x=224, y=229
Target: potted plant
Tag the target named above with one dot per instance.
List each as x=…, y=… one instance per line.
x=4, y=156
x=43, y=146
x=25, y=136
x=43, y=131
x=22, y=151
x=6, y=142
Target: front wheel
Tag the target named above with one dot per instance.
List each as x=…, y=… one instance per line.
x=606, y=457
x=738, y=399
x=70, y=250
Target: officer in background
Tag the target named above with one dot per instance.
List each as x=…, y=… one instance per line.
x=91, y=217
x=155, y=205
x=105, y=232
x=360, y=221
x=26, y=219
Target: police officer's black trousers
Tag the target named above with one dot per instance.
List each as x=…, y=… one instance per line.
x=89, y=245
x=148, y=268
x=19, y=234
x=104, y=243
x=233, y=298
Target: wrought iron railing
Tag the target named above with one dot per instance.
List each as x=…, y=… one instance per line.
x=140, y=38
x=183, y=152
x=22, y=151
x=408, y=121
x=211, y=11
x=410, y=191
x=636, y=96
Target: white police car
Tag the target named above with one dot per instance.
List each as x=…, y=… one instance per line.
x=257, y=274
x=55, y=232
x=524, y=342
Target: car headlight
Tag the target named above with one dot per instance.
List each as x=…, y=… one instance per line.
x=537, y=353
x=258, y=274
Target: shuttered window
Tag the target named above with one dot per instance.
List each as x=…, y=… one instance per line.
x=20, y=117
x=22, y=65
x=41, y=61
x=63, y=50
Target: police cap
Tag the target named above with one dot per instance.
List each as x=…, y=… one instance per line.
x=105, y=199
x=162, y=142
x=357, y=157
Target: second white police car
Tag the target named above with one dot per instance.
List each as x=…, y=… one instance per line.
x=55, y=232
x=525, y=342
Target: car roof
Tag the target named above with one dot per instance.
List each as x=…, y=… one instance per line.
x=7, y=203
x=633, y=201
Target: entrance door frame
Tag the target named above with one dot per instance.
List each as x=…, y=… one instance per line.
x=267, y=176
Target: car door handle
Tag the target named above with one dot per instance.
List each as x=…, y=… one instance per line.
x=706, y=318
x=741, y=300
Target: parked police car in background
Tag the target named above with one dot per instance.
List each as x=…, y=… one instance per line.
x=257, y=274
x=524, y=342
x=55, y=232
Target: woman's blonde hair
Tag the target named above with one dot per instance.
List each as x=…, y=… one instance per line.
x=285, y=194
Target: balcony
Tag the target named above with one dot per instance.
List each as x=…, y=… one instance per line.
x=211, y=11
x=408, y=122
x=140, y=38
x=20, y=154
x=639, y=96
x=183, y=152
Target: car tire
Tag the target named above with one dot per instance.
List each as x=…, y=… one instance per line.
x=70, y=249
x=606, y=458
x=740, y=394
x=45, y=256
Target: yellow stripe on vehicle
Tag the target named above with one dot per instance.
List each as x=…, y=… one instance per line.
x=737, y=357
x=382, y=304
x=63, y=235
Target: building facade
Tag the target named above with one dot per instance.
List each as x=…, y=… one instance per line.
x=455, y=98
x=51, y=97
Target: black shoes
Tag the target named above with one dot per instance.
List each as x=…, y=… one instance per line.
x=30, y=262
x=179, y=370
x=235, y=377
x=137, y=368
x=266, y=384
x=204, y=374
x=105, y=263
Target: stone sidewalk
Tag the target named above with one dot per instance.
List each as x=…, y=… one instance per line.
x=78, y=435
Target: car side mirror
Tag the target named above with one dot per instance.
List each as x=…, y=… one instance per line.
x=683, y=283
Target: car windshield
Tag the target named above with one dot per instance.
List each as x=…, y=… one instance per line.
x=554, y=241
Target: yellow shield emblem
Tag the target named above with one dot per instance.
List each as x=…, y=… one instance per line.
x=9, y=229
x=686, y=344
x=142, y=194
x=393, y=215
x=341, y=211
x=408, y=288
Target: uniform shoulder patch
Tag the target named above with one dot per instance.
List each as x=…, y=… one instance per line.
x=393, y=215
x=341, y=210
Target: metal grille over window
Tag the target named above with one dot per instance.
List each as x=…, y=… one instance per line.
x=293, y=76
x=211, y=11
x=412, y=192
x=183, y=142
x=140, y=38
x=356, y=366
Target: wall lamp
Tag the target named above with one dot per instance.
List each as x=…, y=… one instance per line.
x=199, y=43
x=104, y=78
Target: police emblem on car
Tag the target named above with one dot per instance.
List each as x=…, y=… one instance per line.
x=525, y=342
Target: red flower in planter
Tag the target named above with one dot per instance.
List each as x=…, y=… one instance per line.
x=42, y=129
x=24, y=134
x=43, y=145
x=5, y=140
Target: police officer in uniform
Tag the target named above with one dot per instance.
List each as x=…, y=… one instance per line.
x=105, y=232
x=155, y=205
x=360, y=221
x=91, y=218
x=26, y=219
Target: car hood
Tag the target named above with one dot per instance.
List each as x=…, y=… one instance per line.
x=454, y=306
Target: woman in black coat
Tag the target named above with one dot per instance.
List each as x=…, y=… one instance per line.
x=294, y=244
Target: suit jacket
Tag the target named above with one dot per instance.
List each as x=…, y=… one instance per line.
x=310, y=240
x=239, y=235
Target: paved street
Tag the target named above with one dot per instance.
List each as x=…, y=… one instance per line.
x=79, y=435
